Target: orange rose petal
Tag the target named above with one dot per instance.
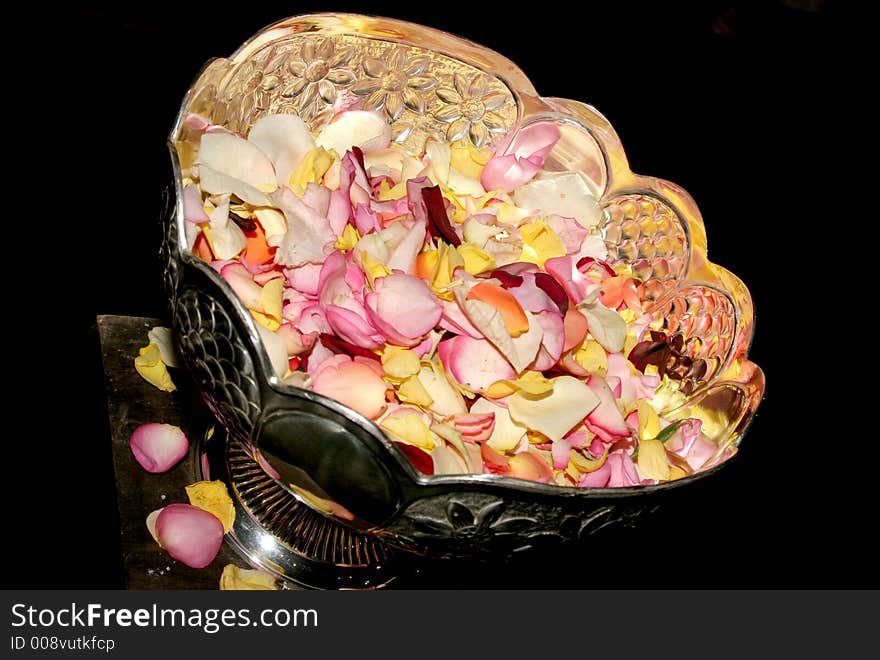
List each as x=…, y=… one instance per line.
x=515, y=318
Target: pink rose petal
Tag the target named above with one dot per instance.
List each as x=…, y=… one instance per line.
x=242, y=282
x=304, y=278
x=158, y=447
x=189, y=534
x=193, y=211
x=352, y=383
x=623, y=470
x=309, y=236
x=552, y=341
x=523, y=159
x=403, y=308
x=605, y=420
x=596, y=479
x=474, y=363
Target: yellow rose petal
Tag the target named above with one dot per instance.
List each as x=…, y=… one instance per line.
x=587, y=465
x=676, y=472
x=149, y=365
x=234, y=578
x=448, y=259
x=476, y=261
x=540, y=243
x=649, y=421
x=531, y=382
x=271, y=298
x=387, y=193
x=213, y=498
x=265, y=320
x=652, y=461
x=310, y=170
x=372, y=268
x=412, y=391
x=348, y=240
x=469, y=160
x=592, y=357
x=409, y=429
x=399, y=362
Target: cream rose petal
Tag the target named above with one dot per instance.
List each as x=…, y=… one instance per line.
x=507, y=433
x=567, y=194
x=606, y=325
x=557, y=413
x=285, y=139
x=355, y=128
x=275, y=348
x=164, y=340
x=447, y=400
x=230, y=164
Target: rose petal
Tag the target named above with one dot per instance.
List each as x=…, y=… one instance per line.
x=554, y=414
x=474, y=363
x=353, y=384
x=309, y=235
x=243, y=284
x=552, y=339
x=518, y=351
x=607, y=326
x=447, y=461
x=230, y=164
x=561, y=450
x=193, y=210
x=275, y=348
x=234, y=578
x=213, y=497
x=526, y=465
x=189, y=534
x=523, y=159
x=506, y=433
x=226, y=238
x=569, y=231
x=367, y=130
x=652, y=463
x=605, y=420
x=567, y=194
x=285, y=139
x=151, y=524
x=158, y=447
x=569, y=277
x=149, y=365
x=596, y=479
x=403, y=308
x=623, y=470
x=447, y=400
x=164, y=340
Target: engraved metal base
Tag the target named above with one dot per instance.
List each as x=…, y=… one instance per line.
x=275, y=532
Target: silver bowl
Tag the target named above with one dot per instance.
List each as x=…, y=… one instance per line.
x=329, y=458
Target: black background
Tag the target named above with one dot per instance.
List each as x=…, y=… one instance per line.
x=729, y=100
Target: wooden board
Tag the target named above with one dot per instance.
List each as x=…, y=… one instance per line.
x=132, y=401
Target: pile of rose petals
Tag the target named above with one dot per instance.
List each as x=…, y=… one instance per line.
x=460, y=298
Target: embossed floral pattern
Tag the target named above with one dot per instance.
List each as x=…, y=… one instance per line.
x=254, y=82
x=475, y=527
x=317, y=74
x=394, y=83
x=470, y=109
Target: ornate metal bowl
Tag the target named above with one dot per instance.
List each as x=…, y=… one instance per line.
x=330, y=458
